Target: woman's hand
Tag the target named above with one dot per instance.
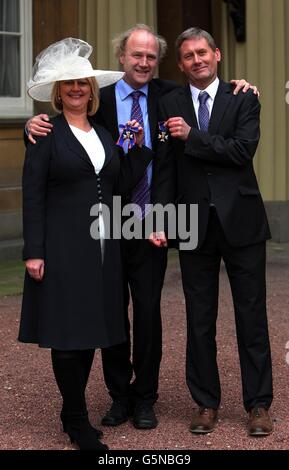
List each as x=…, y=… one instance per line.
x=35, y=268
x=139, y=135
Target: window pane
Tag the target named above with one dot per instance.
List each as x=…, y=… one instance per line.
x=10, y=70
x=9, y=15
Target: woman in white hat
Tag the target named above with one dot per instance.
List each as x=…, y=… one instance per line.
x=72, y=300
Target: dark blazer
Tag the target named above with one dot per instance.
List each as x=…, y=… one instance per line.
x=215, y=166
x=78, y=305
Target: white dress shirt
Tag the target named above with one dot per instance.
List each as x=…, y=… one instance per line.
x=211, y=90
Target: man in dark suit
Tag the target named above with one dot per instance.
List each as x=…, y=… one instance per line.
x=213, y=138
x=139, y=51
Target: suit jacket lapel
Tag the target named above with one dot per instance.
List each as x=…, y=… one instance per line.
x=222, y=99
x=75, y=146
x=106, y=142
x=71, y=141
x=186, y=106
x=108, y=111
x=152, y=103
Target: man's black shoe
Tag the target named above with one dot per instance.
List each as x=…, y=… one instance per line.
x=116, y=415
x=144, y=417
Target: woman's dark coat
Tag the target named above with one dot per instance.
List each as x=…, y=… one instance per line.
x=78, y=304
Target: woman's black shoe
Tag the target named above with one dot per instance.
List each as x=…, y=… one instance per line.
x=84, y=437
x=98, y=433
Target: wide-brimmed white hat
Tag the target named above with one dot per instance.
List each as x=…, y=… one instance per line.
x=65, y=60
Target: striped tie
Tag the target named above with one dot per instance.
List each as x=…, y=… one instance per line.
x=203, y=113
x=141, y=193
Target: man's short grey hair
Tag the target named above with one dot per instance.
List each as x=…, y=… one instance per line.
x=119, y=42
x=194, y=33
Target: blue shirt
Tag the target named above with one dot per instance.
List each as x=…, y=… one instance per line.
x=123, y=106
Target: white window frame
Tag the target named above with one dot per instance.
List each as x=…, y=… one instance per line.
x=21, y=107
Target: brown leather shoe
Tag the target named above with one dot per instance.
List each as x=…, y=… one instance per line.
x=260, y=423
x=204, y=420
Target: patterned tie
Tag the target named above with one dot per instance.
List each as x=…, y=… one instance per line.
x=203, y=113
x=141, y=193
x=136, y=112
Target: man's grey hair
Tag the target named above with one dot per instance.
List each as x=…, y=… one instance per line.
x=119, y=42
x=194, y=33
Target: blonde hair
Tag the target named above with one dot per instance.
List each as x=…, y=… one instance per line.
x=92, y=105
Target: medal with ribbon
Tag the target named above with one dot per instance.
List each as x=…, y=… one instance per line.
x=127, y=136
x=163, y=134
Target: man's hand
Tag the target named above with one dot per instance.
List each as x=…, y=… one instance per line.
x=38, y=126
x=243, y=84
x=158, y=239
x=35, y=268
x=178, y=128
x=139, y=135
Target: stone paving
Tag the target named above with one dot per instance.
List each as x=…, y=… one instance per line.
x=30, y=403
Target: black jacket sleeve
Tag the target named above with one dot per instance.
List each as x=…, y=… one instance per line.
x=25, y=138
x=164, y=172
x=34, y=184
x=236, y=150
x=132, y=168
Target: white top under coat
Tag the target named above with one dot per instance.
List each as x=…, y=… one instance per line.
x=92, y=145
